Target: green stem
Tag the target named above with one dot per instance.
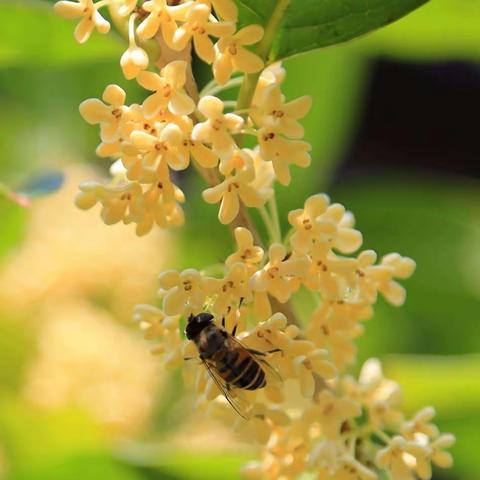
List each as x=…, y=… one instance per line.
x=247, y=89
x=268, y=224
x=211, y=88
x=275, y=218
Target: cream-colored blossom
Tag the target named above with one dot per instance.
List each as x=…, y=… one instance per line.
x=403, y=458
x=183, y=293
x=218, y=127
x=283, y=152
x=331, y=412
x=133, y=61
x=161, y=147
x=234, y=188
x=164, y=17
x=199, y=27
x=156, y=325
x=280, y=276
x=168, y=88
x=420, y=423
x=231, y=54
x=320, y=222
x=247, y=253
x=90, y=17
x=438, y=455
x=271, y=111
x=380, y=397
x=225, y=9
x=371, y=278
x=108, y=114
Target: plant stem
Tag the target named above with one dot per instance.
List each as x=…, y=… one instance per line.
x=263, y=51
x=275, y=218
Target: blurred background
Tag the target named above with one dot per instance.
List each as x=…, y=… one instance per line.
x=395, y=135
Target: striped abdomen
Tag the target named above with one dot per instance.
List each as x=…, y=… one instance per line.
x=237, y=367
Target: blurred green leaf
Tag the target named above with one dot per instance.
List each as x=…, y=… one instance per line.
x=311, y=24
x=13, y=219
x=186, y=465
x=441, y=30
x=452, y=386
x=34, y=438
x=84, y=466
x=32, y=34
x=437, y=223
x=450, y=383
x=17, y=346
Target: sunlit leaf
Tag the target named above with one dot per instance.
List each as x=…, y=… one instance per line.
x=32, y=34
x=442, y=30
x=13, y=219
x=312, y=24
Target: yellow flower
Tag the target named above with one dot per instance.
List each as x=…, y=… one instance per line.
x=158, y=326
x=204, y=156
x=379, y=396
x=279, y=277
x=161, y=147
x=183, y=293
x=371, y=278
x=264, y=174
x=326, y=333
x=198, y=26
x=247, y=253
x=319, y=221
x=282, y=152
x=420, y=424
x=116, y=201
x=162, y=16
x=228, y=290
x=271, y=111
x=168, y=88
x=401, y=457
x=108, y=114
x=439, y=457
x=218, y=128
x=351, y=469
x=235, y=187
x=232, y=56
x=90, y=18
x=331, y=412
x=133, y=61
x=225, y=9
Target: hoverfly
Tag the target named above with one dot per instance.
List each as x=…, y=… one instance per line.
x=230, y=364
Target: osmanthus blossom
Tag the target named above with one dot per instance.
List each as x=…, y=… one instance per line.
x=108, y=114
x=218, y=128
x=163, y=17
x=199, y=27
x=310, y=416
x=168, y=88
x=90, y=18
x=235, y=188
x=233, y=56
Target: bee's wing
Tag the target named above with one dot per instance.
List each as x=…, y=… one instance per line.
x=239, y=404
x=260, y=357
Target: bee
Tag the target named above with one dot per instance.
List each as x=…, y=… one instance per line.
x=230, y=364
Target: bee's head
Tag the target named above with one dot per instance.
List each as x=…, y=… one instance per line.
x=196, y=323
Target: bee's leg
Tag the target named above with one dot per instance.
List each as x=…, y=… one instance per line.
x=263, y=354
x=188, y=358
x=223, y=321
x=234, y=330
x=240, y=303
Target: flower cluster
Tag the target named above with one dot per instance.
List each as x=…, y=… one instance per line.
x=307, y=415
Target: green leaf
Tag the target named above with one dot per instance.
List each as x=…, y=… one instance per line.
x=14, y=219
x=311, y=24
x=32, y=34
x=442, y=30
